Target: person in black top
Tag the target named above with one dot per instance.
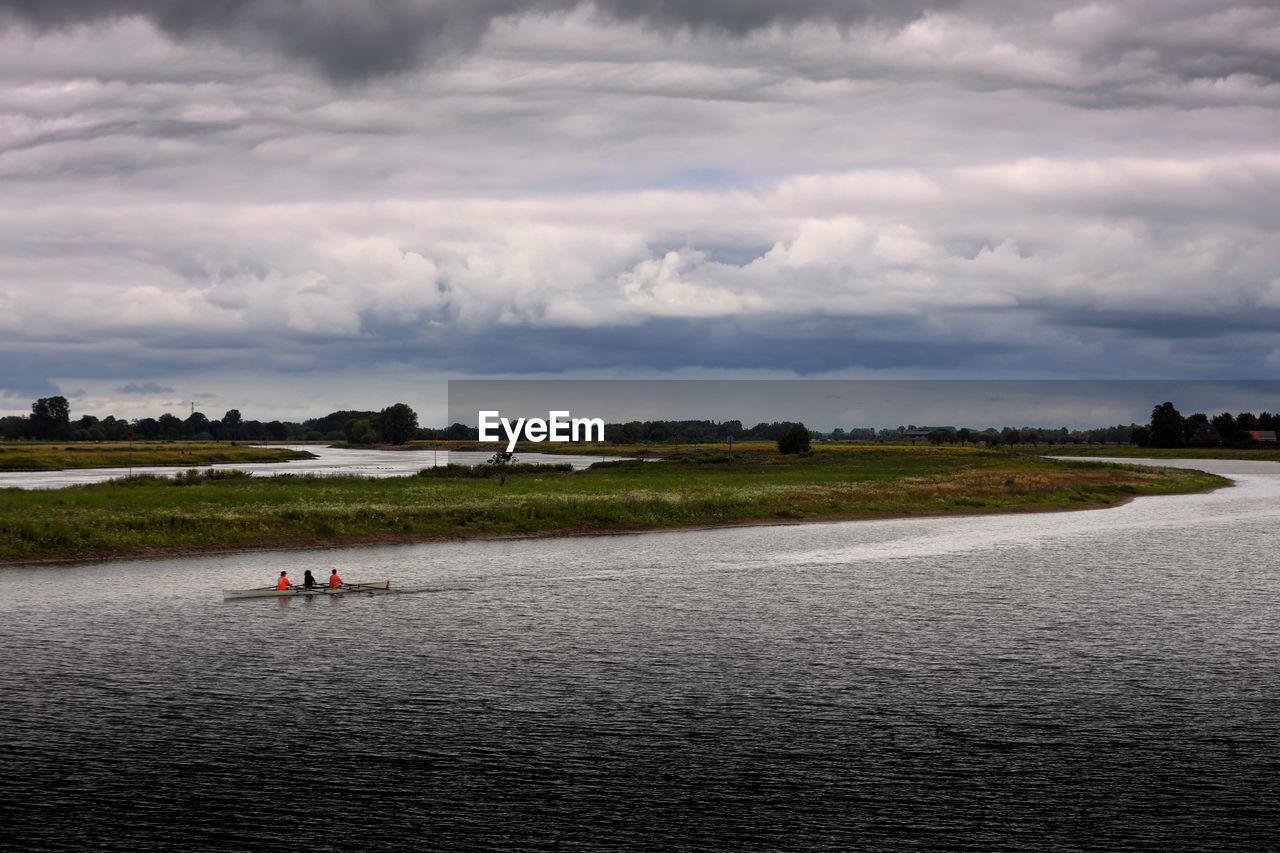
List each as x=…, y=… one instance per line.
x=308, y=582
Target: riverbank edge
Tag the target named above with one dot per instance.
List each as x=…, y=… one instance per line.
x=385, y=540
x=299, y=456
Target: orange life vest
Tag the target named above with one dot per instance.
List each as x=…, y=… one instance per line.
x=334, y=580
x=282, y=584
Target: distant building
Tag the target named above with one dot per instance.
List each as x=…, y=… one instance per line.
x=1263, y=435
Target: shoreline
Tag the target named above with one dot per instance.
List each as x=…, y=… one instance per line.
x=194, y=457
x=155, y=465
x=384, y=540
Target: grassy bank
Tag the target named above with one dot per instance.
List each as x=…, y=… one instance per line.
x=150, y=515
x=27, y=456
x=1265, y=454
x=1126, y=451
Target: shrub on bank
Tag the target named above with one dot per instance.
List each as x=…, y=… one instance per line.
x=453, y=471
x=193, y=476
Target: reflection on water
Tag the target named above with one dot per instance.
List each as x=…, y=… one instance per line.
x=1056, y=681
x=330, y=460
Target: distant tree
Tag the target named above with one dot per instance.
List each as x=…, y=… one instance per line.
x=112, y=429
x=397, y=423
x=196, y=425
x=939, y=436
x=794, y=440
x=628, y=433
x=51, y=418
x=1140, y=436
x=361, y=431
x=145, y=428
x=838, y=434
x=1167, y=426
x=729, y=429
x=231, y=423
x=460, y=432
x=277, y=431
x=332, y=423
x=87, y=428
x=965, y=435
x=1196, y=428
x=170, y=426
x=1225, y=424
x=15, y=426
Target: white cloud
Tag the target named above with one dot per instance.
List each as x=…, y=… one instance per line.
x=1076, y=181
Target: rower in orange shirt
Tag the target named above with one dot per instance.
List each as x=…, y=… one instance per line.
x=334, y=580
x=283, y=583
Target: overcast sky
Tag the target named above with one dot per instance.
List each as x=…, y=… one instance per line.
x=290, y=206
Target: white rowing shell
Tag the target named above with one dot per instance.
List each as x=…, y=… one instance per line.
x=272, y=592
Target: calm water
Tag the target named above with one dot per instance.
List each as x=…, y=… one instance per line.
x=330, y=460
x=1093, y=680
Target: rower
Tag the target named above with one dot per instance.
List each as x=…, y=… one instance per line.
x=334, y=580
x=283, y=583
x=308, y=581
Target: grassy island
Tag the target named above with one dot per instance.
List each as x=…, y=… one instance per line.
x=24, y=456
x=221, y=510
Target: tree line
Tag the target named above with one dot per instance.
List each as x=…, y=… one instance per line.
x=1168, y=428
x=50, y=420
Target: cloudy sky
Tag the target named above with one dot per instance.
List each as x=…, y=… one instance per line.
x=290, y=206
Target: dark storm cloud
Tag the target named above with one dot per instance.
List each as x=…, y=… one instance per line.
x=743, y=16
x=352, y=41
x=808, y=347
x=1191, y=39
x=145, y=388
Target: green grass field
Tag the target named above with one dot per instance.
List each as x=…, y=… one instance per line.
x=33, y=456
x=1264, y=454
x=149, y=515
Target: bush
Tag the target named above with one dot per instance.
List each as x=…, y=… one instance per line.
x=455, y=471
x=193, y=476
x=137, y=480
x=794, y=440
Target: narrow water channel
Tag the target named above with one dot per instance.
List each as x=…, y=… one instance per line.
x=328, y=461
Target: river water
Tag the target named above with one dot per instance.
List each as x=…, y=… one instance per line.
x=328, y=461
x=1065, y=681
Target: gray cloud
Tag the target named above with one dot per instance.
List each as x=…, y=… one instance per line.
x=351, y=41
x=144, y=388
x=354, y=41
x=982, y=188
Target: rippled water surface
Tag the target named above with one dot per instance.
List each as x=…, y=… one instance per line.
x=1088, y=680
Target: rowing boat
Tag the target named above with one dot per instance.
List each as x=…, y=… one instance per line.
x=272, y=592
